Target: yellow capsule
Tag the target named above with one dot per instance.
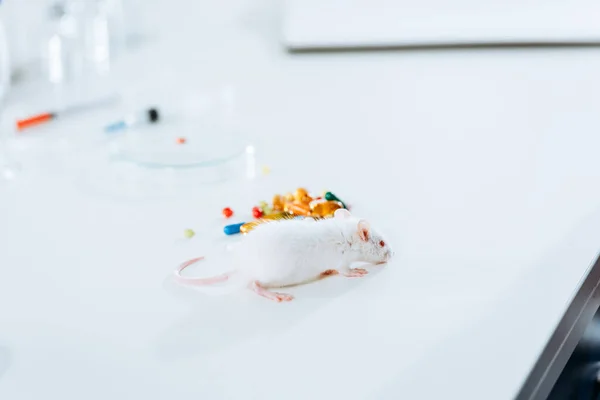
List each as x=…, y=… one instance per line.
x=297, y=208
x=324, y=208
x=277, y=203
x=275, y=216
x=289, y=197
x=248, y=226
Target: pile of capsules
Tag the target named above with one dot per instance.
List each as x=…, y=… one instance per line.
x=297, y=204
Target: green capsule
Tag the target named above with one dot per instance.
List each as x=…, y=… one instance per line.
x=330, y=196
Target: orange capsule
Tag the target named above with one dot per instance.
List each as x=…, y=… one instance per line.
x=277, y=203
x=324, y=208
x=289, y=197
x=297, y=208
x=301, y=195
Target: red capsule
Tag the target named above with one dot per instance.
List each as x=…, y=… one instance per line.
x=257, y=212
x=227, y=212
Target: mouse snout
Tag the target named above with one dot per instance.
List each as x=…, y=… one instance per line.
x=388, y=255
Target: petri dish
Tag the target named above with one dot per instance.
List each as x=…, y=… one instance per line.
x=177, y=143
x=151, y=161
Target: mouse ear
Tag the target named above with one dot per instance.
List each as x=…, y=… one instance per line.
x=341, y=213
x=364, y=230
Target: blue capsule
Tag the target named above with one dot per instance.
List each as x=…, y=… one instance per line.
x=233, y=229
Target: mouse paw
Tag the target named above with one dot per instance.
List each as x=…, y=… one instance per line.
x=356, y=272
x=279, y=297
x=275, y=296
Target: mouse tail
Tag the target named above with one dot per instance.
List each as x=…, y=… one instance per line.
x=184, y=280
x=208, y=285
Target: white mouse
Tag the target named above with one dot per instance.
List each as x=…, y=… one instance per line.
x=290, y=252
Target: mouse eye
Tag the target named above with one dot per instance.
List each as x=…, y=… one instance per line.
x=381, y=243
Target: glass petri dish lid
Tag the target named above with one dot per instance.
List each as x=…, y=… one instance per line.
x=177, y=142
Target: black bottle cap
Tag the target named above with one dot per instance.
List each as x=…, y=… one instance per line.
x=153, y=115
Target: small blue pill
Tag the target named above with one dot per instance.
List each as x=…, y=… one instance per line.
x=233, y=229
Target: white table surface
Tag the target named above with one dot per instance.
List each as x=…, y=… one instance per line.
x=481, y=166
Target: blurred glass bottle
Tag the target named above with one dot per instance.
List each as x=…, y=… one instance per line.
x=5, y=72
x=82, y=39
x=63, y=49
x=8, y=166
